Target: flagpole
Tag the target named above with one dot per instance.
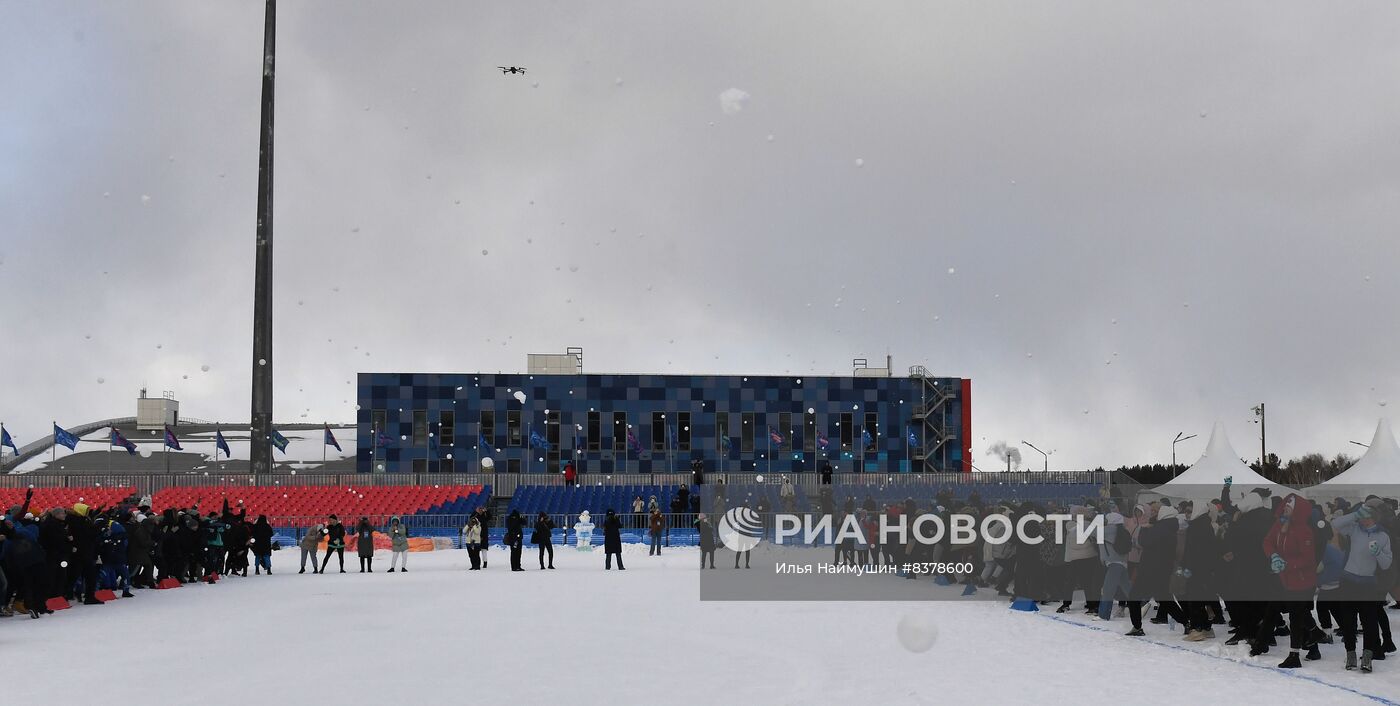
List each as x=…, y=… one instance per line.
x=109, y=450
x=325, y=427
x=770, y=449
x=2, y=447
x=53, y=452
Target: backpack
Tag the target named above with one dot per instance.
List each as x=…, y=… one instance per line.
x=1122, y=541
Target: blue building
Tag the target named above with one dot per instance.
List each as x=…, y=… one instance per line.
x=534, y=422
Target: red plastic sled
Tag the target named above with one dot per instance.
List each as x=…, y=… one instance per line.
x=105, y=595
x=168, y=582
x=58, y=603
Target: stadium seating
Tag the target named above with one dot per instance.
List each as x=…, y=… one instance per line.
x=319, y=501
x=596, y=499
x=45, y=498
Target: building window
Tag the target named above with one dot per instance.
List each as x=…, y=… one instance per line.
x=619, y=431
x=847, y=430
x=447, y=432
x=514, y=437
x=809, y=432
x=872, y=427
x=420, y=465
x=786, y=431
x=513, y=465
x=445, y=466
x=683, y=431
x=551, y=431
x=595, y=431
x=377, y=420
x=420, y=426
x=488, y=427
x=747, y=432
x=721, y=431
x=658, y=431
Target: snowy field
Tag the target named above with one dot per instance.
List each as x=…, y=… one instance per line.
x=583, y=635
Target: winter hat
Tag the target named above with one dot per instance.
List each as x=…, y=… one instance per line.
x=1250, y=501
x=1166, y=513
x=1363, y=512
x=145, y=502
x=81, y=509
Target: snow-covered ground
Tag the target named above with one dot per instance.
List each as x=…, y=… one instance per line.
x=583, y=635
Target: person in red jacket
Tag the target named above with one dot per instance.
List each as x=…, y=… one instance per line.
x=570, y=475
x=1293, y=557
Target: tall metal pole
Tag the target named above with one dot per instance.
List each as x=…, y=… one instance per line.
x=1263, y=438
x=261, y=453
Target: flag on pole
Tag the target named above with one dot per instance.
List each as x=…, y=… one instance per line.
x=728, y=445
x=865, y=438
x=482, y=445
x=383, y=439
x=122, y=441
x=632, y=442
x=822, y=441
x=279, y=441
x=913, y=440
x=221, y=444
x=7, y=440
x=63, y=438
x=537, y=441
x=775, y=437
x=170, y=440
x=330, y=439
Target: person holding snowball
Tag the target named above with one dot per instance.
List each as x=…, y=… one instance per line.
x=1369, y=556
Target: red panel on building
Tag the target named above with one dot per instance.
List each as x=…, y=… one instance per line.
x=966, y=435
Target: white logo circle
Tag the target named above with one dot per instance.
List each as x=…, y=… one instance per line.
x=740, y=529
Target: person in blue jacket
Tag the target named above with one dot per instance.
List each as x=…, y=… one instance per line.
x=115, y=569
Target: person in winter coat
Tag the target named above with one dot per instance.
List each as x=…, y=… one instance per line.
x=697, y=472
x=787, y=495
x=515, y=538
x=1246, y=576
x=1200, y=567
x=24, y=563
x=1293, y=557
x=83, y=566
x=262, y=545
x=308, y=545
x=1159, y=545
x=335, y=543
x=472, y=537
x=364, y=544
x=612, y=541
x=112, y=551
x=1115, y=561
x=706, y=536
x=170, y=547
x=237, y=537
x=570, y=475
x=1369, y=554
x=826, y=473
x=639, y=509
x=1082, y=563
x=140, y=550
x=543, y=537
x=656, y=525
x=398, y=543
x=483, y=517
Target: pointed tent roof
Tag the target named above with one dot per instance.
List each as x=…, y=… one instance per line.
x=1380, y=466
x=1218, y=462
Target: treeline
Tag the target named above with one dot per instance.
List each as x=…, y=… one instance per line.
x=1303, y=471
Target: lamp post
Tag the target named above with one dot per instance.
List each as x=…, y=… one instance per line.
x=1180, y=437
x=1263, y=446
x=1042, y=453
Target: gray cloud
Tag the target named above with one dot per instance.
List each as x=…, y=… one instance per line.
x=1125, y=267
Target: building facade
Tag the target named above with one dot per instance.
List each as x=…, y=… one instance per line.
x=623, y=423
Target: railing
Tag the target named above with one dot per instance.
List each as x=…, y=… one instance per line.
x=504, y=484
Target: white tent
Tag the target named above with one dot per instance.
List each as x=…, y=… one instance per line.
x=1378, y=468
x=1209, y=473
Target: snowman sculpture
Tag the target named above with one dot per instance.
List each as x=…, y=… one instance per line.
x=583, y=529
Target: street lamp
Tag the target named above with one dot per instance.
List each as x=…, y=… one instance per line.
x=1042, y=453
x=1180, y=437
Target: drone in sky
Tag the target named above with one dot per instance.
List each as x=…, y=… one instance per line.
x=511, y=69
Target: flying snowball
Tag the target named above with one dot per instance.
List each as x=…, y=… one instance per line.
x=860, y=162
x=770, y=137
x=733, y=101
x=917, y=632
x=145, y=199
x=617, y=81
x=520, y=396
x=101, y=380
x=203, y=368
x=758, y=479
x=952, y=270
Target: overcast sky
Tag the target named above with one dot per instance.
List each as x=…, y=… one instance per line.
x=1121, y=220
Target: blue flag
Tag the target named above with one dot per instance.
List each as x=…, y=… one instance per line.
x=865, y=438
x=383, y=439
x=728, y=445
x=122, y=441
x=170, y=440
x=7, y=440
x=537, y=441
x=63, y=438
x=913, y=440
x=433, y=441
x=221, y=444
x=330, y=439
x=279, y=441
x=482, y=445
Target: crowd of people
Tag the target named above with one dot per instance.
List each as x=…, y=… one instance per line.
x=1262, y=566
x=72, y=553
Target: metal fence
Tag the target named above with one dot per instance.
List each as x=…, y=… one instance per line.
x=504, y=484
